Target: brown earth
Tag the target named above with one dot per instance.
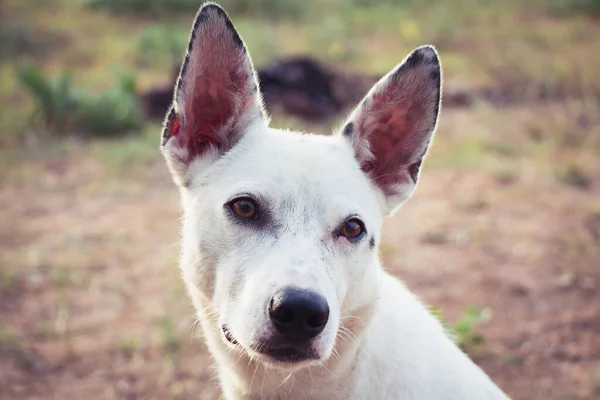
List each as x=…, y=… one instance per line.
x=92, y=305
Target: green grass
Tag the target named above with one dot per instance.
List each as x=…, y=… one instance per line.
x=157, y=8
x=508, y=45
x=130, y=152
x=161, y=44
x=465, y=331
x=573, y=175
x=12, y=345
x=569, y=7
x=64, y=109
x=152, y=7
x=129, y=346
x=10, y=282
x=169, y=336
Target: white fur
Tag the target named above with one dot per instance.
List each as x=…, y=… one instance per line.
x=387, y=345
x=379, y=342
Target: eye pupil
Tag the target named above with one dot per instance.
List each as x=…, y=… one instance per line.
x=351, y=229
x=244, y=208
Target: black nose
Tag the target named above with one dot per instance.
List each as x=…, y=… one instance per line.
x=298, y=315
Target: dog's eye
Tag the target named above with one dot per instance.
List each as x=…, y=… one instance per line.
x=352, y=228
x=244, y=208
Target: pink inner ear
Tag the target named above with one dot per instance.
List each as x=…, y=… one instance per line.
x=392, y=128
x=387, y=126
x=212, y=105
x=216, y=90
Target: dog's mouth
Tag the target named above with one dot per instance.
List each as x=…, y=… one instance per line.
x=289, y=354
x=229, y=336
x=280, y=352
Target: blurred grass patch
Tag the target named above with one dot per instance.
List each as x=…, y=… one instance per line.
x=10, y=281
x=469, y=152
x=256, y=8
x=573, y=175
x=569, y=7
x=127, y=152
x=158, y=43
x=169, y=336
x=152, y=7
x=129, y=346
x=13, y=345
x=19, y=40
x=465, y=330
x=64, y=108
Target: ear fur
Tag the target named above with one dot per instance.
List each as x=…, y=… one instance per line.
x=392, y=128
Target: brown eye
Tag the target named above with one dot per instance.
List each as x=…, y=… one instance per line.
x=244, y=208
x=352, y=228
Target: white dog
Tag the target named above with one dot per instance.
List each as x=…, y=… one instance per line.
x=281, y=232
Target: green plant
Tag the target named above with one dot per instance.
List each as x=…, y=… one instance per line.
x=161, y=43
x=129, y=346
x=66, y=109
x=9, y=281
x=257, y=8
x=464, y=331
x=152, y=7
x=169, y=336
x=573, y=175
x=110, y=113
x=269, y=8
x=55, y=100
x=11, y=344
x=439, y=315
x=568, y=7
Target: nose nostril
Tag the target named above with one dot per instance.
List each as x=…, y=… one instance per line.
x=284, y=316
x=316, y=321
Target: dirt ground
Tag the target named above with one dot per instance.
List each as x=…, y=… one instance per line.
x=92, y=305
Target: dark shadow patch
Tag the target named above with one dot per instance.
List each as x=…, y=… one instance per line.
x=413, y=170
x=311, y=89
x=168, y=126
x=18, y=40
x=348, y=130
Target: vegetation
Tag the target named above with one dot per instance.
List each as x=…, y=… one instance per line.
x=506, y=212
x=257, y=8
x=13, y=346
x=154, y=7
x=465, y=331
x=567, y=7
x=64, y=108
x=161, y=43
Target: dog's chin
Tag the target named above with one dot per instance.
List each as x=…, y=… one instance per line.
x=273, y=352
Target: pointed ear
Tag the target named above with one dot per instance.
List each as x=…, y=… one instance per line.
x=392, y=128
x=216, y=96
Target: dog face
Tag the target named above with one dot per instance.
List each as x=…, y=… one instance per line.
x=280, y=228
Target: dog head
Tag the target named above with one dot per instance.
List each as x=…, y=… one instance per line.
x=281, y=228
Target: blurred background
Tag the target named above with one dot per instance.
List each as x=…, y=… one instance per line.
x=502, y=238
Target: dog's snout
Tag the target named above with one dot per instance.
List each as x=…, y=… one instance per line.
x=298, y=315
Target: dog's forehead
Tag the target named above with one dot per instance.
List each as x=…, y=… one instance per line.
x=291, y=158
x=315, y=169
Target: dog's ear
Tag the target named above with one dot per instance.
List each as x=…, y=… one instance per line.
x=216, y=96
x=392, y=128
